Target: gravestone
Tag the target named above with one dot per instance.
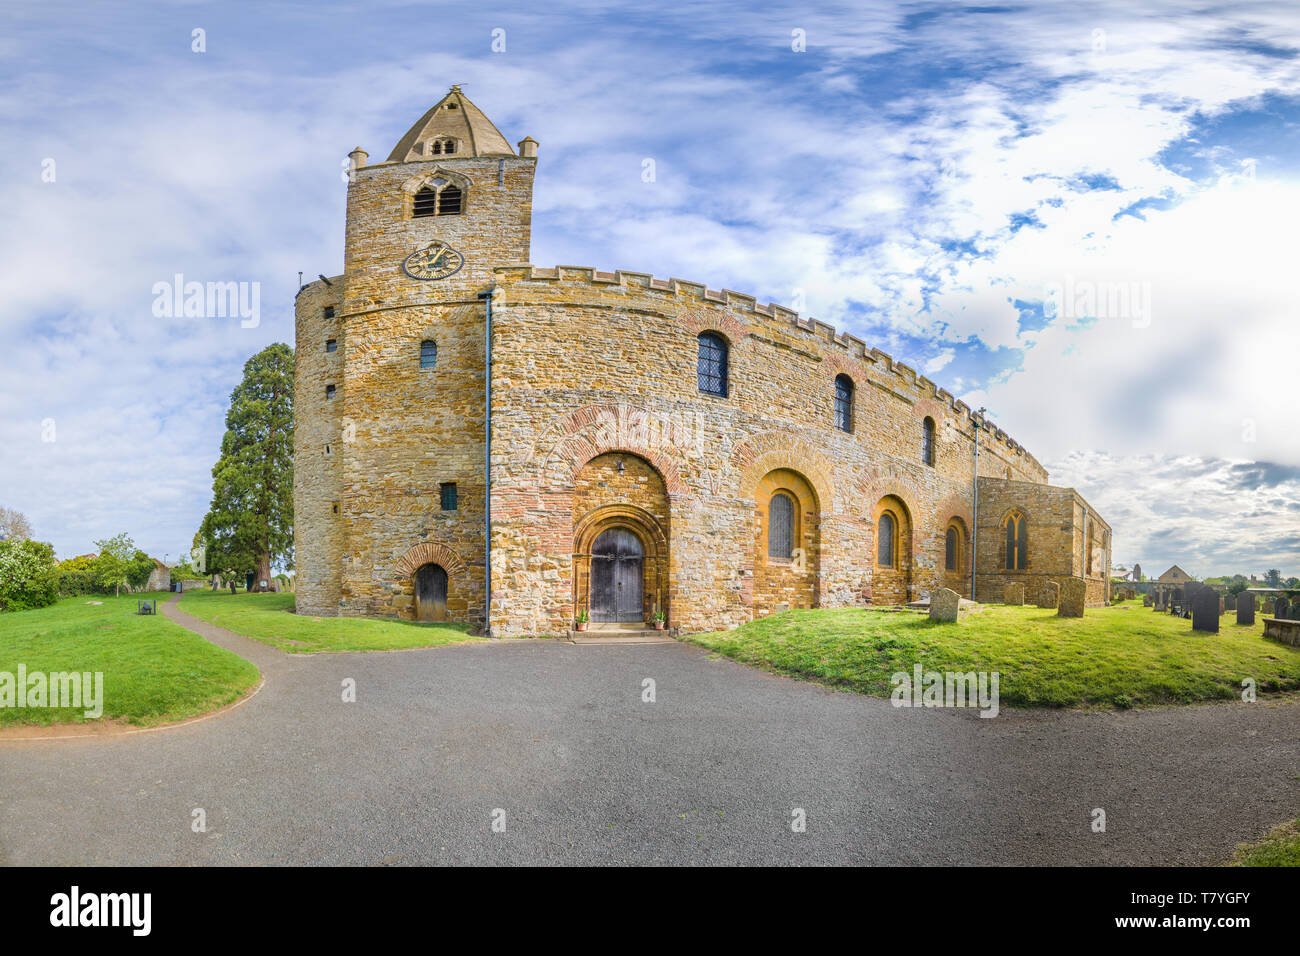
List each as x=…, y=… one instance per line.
x=1189, y=593
x=1015, y=594
x=1049, y=594
x=1295, y=611
x=1245, y=608
x=943, y=605
x=1073, y=593
x=1205, y=610
x=1146, y=600
x=1280, y=607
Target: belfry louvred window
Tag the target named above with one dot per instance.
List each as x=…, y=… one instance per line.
x=431, y=201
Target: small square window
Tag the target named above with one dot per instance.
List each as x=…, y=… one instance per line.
x=329, y=391
x=331, y=345
x=448, y=494
x=329, y=311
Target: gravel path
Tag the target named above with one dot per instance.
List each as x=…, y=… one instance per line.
x=557, y=736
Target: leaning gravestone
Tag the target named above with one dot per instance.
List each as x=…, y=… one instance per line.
x=943, y=605
x=1280, y=607
x=1146, y=600
x=1015, y=594
x=1295, y=610
x=1073, y=592
x=1245, y=608
x=1205, y=611
x=1049, y=595
x=1222, y=606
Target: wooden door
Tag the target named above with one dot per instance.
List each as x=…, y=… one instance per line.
x=431, y=593
x=617, y=577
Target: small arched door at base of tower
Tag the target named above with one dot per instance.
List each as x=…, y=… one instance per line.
x=431, y=593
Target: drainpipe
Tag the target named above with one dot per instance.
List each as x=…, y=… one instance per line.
x=487, y=462
x=975, y=510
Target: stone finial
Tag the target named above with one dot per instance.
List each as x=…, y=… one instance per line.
x=528, y=148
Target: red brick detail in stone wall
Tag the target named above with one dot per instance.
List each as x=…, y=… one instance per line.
x=595, y=430
x=703, y=320
x=429, y=553
x=836, y=365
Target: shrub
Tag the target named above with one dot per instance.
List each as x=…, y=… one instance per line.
x=26, y=575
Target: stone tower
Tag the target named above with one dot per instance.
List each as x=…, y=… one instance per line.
x=390, y=373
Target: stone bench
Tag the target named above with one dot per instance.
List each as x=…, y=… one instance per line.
x=1288, y=632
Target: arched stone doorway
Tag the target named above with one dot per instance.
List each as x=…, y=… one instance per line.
x=617, y=577
x=620, y=540
x=431, y=593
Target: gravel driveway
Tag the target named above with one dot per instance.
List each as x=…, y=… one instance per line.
x=558, y=737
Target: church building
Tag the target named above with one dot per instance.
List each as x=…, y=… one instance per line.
x=482, y=440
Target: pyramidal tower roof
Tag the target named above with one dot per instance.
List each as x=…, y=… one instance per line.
x=456, y=117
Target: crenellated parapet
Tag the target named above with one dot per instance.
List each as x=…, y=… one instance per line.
x=680, y=299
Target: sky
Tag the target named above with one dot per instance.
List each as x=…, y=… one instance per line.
x=1081, y=216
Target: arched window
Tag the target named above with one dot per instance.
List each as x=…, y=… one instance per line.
x=951, y=549
x=780, y=527
x=1017, y=542
x=441, y=147
x=844, y=403
x=886, y=532
x=428, y=354
x=927, y=441
x=711, y=366
x=439, y=198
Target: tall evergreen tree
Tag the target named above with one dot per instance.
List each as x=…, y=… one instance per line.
x=249, y=524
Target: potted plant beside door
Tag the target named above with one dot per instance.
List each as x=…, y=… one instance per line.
x=582, y=620
x=659, y=620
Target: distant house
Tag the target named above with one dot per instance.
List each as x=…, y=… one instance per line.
x=1175, y=576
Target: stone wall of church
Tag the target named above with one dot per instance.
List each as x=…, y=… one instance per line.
x=588, y=363
x=318, y=449
x=1058, y=519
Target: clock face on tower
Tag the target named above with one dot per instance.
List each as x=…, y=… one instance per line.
x=437, y=260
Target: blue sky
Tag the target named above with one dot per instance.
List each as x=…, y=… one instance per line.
x=1079, y=215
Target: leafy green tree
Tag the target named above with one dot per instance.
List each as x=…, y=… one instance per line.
x=139, y=568
x=26, y=575
x=113, y=561
x=249, y=524
x=1273, y=578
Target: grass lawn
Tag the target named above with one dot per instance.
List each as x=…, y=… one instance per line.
x=154, y=671
x=1280, y=847
x=1119, y=656
x=269, y=618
